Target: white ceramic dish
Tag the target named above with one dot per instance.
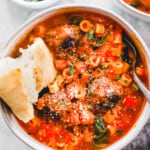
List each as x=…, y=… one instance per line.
x=133, y=11
x=36, y=5
x=25, y=28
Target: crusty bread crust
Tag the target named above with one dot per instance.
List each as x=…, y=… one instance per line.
x=12, y=92
x=22, y=78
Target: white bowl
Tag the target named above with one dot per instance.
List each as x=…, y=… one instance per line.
x=36, y=5
x=26, y=28
x=133, y=11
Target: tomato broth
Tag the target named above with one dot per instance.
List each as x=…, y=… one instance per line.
x=93, y=101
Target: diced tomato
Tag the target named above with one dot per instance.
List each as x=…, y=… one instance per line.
x=60, y=64
x=81, y=67
x=85, y=48
x=85, y=78
x=130, y=102
x=140, y=71
x=74, y=118
x=87, y=135
x=110, y=71
x=86, y=117
x=31, y=128
x=40, y=30
x=40, y=103
x=84, y=40
x=121, y=125
x=44, y=132
x=128, y=1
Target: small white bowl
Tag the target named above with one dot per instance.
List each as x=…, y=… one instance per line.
x=36, y=5
x=133, y=11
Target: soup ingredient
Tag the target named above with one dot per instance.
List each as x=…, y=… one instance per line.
x=85, y=25
x=104, y=87
x=60, y=39
x=93, y=100
x=101, y=132
x=75, y=20
x=135, y=4
x=21, y=79
x=131, y=102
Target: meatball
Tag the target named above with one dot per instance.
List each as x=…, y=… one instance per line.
x=105, y=87
x=63, y=40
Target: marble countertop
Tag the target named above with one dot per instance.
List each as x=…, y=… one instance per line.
x=12, y=16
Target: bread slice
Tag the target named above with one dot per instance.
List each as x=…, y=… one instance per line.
x=22, y=78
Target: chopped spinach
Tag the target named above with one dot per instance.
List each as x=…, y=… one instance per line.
x=98, y=41
x=75, y=20
x=101, y=41
x=125, y=56
x=101, y=132
x=114, y=98
x=90, y=35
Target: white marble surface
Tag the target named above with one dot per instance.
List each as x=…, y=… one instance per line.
x=12, y=16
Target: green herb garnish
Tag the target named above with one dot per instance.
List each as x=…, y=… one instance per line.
x=63, y=102
x=118, y=77
x=135, y=86
x=73, y=64
x=89, y=70
x=103, y=67
x=90, y=79
x=101, y=41
x=101, y=132
x=90, y=35
x=71, y=71
x=75, y=20
x=119, y=132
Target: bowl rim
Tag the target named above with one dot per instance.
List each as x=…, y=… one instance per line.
x=36, y=5
x=133, y=11
x=132, y=133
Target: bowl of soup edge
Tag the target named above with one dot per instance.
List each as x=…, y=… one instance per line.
x=133, y=11
x=21, y=33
